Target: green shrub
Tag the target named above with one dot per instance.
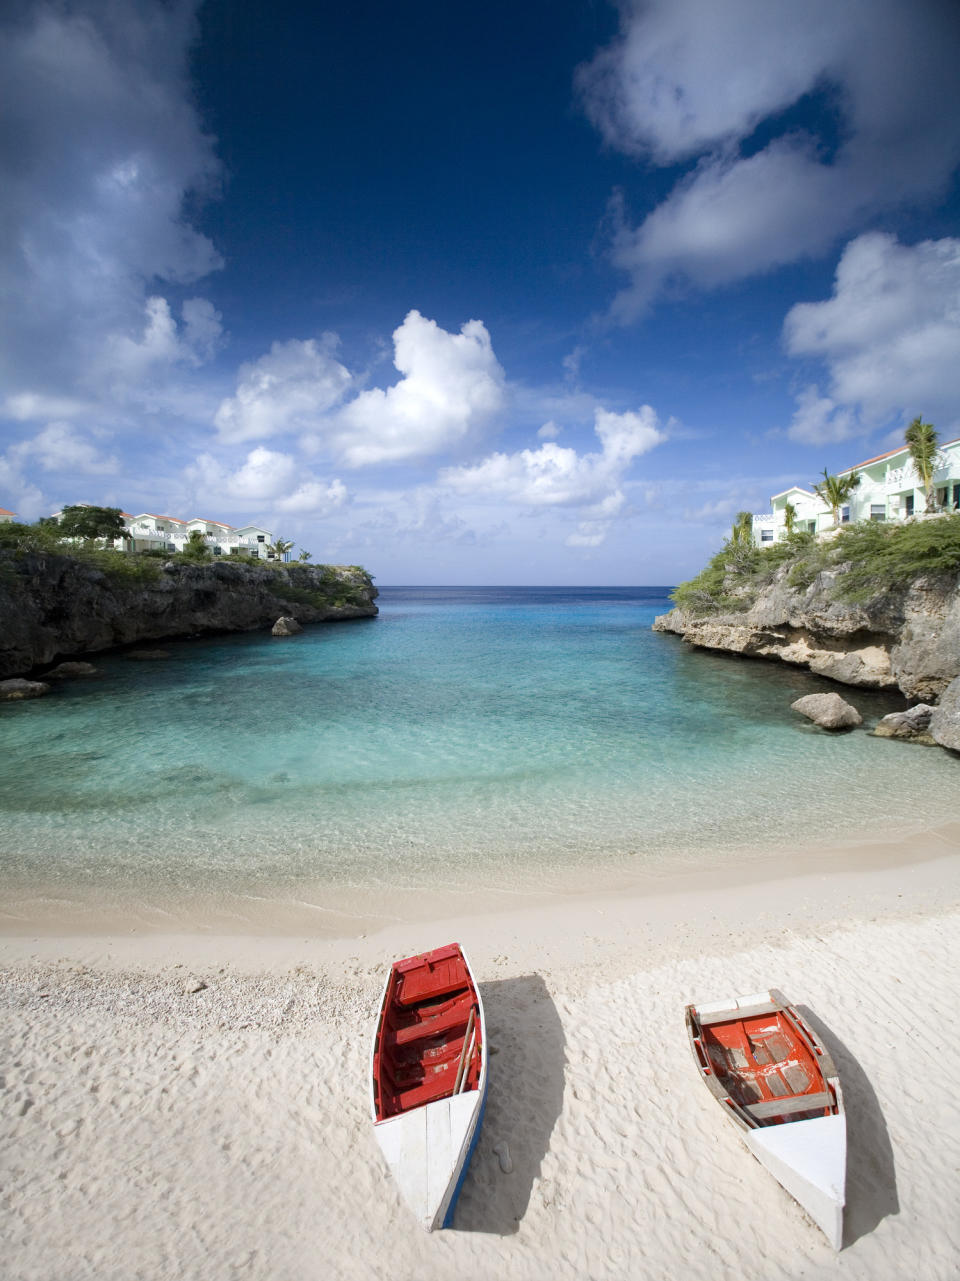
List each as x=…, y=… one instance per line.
x=871, y=558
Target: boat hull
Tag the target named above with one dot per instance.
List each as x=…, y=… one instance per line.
x=777, y=1083
x=430, y=1040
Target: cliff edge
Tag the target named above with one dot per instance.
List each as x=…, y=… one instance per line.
x=906, y=638
x=53, y=605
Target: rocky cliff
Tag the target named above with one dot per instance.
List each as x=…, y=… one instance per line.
x=908, y=638
x=52, y=606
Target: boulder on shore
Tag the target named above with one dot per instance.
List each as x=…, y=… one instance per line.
x=945, y=721
x=286, y=626
x=911, y=724
x=18, y=688
x=66, y=671
x=829, y=711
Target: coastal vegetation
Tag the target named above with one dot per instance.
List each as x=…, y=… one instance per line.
x=863, y=560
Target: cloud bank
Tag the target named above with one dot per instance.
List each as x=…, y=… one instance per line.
x=100, y=149
x=890, y=337
x=690, y=80
x=558, y=476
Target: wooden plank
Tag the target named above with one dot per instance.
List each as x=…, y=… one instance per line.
x=783, y=1107
x=741, y=1012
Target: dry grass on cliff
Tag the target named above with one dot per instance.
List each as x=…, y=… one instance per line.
x=868, y=559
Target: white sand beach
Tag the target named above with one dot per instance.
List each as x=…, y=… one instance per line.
x=158, y=1129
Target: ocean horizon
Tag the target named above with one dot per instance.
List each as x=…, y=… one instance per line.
x=468, y=737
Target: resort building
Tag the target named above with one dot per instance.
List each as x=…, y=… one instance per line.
x=6, y=516
x=889, y=490
x=149, y=532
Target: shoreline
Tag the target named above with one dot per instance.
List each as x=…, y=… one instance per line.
x=331, y=914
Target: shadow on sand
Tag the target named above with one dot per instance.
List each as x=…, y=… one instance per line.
x=524, y=1099
x=871, y=1173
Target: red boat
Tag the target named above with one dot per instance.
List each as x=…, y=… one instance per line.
x=429, y=1078
x=776, y=1081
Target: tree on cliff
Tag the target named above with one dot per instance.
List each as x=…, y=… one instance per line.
x=922, y=441
x=742, y=531
x=81, y=521
x=789, y=516
x=836, y=490
x=196, y=547
x=281, y=546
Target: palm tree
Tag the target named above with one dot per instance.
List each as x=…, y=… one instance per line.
x=304, y=556
x=789, y=516
x=742, y=531
x=922, y=441
x=835, y=490
x=281, y=546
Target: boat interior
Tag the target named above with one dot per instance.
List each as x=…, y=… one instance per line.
x=428, y=1043
x=765, y=1063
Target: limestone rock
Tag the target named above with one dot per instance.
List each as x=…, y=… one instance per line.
x=829, y=711
x=911, y=724
x=147, y=655
x=55, y=606
x=66, y=671
x=286, y=626
x=945, y=721
x=908, y=637
x=19, y=688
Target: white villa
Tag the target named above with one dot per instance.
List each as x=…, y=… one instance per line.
x=6, y=516
x=889, y=490
x=148, y=532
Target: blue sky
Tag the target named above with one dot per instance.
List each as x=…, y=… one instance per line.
x=537, y=293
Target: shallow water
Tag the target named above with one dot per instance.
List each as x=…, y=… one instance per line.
x=467, y=736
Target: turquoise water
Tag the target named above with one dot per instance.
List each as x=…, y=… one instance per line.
x=466, y=736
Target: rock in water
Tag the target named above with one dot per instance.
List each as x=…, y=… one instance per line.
x=829, y=711
x=286, y=626
x=20, y=688
x=147, y=655
x=911, y=724
x=945, y=721
x=65, y=671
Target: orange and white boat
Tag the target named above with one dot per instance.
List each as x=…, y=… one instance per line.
x=429, y=1078
x=779, y=1086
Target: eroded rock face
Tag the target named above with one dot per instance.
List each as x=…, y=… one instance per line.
x=829, y=711
x=285, y=626
x=908, y=640
x=52, y=606
x=16, y=689
x=945, y=721
x=911, y=724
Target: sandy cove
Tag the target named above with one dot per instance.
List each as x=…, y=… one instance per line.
x=159, y=1129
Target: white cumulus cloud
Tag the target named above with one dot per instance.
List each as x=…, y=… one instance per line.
x=692, y=80
x=266, y=478
x=890, y=337
x=61, y=448
x=290, y=389
x=451, y=387
x=558, y=476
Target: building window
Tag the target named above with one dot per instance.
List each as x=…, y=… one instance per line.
x=260, y=538
x=811, y=526
x=878, y=511
x=218, y=551
x=908, y=505
x=956, y=498
x=766, y=535
x=845, y=515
